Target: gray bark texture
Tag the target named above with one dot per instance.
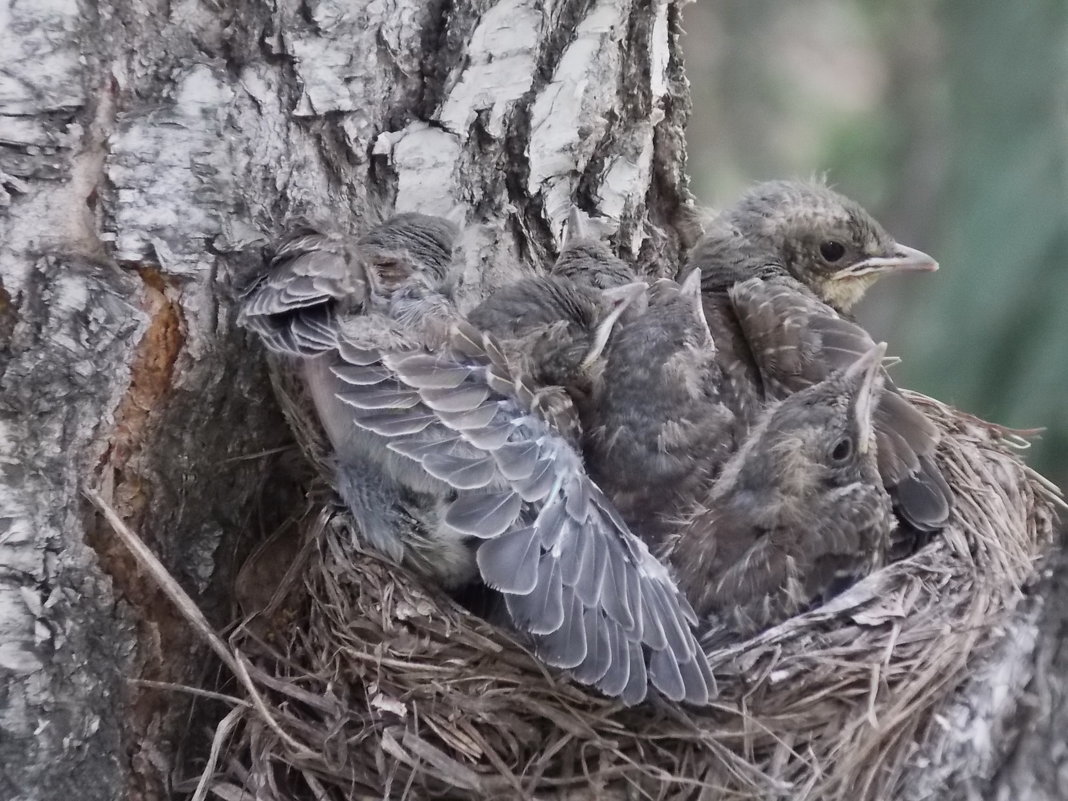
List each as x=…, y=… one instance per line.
x=149, y=151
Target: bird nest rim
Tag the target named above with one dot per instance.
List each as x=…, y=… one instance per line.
x=388, y=686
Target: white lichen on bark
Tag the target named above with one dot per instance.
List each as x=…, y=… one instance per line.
x=148, y=151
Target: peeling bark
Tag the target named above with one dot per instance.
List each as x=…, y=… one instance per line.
x=149, y=151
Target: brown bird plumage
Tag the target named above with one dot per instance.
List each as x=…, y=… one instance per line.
x=776, y=305
x=554, y=328
x=418, y=402
x=796, y=511
x=661, y=429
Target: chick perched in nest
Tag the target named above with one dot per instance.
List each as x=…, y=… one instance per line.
x=759, y=517
x=662, y=428
x=796, y=512
x=419, y=403
x=554, y=328
x=828, y=242
x=393, y=286
x=779, y=270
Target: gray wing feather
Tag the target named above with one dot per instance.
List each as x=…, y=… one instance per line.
x=510, y=562
x=572, y=574
x=380, y=398
x=292, y=306
x=484, y=515
x=361, y=376
x=457, y=399
x=517, y=460
x=393, y=423
x=638, y=683
x=566, y=647
x=542, y=610
x=418, y=450
x=460, y=472
x=593, y=570
x=475, y=420
x=539, y=483
x=615, y=680
x=614, y=596
x=598, y=651
x=352, y=354
x=668, y=676
x=490, y=437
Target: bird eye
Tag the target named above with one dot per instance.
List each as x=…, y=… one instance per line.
x=831, y=250
x=843, y=449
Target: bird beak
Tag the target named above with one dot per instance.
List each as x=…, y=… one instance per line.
x=866, y=378
x=903, y=259
x=620, y=298
x=576, y=226
x=691, y=288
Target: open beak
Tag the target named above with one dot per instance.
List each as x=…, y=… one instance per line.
x=620, y=298
x=865, y=377
x=902, y=260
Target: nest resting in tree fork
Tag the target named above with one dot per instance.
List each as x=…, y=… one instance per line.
x=368, y=685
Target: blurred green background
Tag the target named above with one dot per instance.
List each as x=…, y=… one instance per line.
x=949, y=121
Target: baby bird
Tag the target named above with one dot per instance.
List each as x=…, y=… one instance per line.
x=420, y=403
x=587, y=260
x=661, y=430
x=828, y=242
x=554, y=328
x=776, y=303
x=797, y=510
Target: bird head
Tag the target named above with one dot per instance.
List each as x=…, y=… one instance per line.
x=668, y=345
x=588, y=260
x=675, y=312
x=825, y=240
x=569, y=351
x=823, y=435
x=409, y=250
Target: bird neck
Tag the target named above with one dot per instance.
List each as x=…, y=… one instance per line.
x=842, y=294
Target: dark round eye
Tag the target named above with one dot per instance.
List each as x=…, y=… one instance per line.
x=831, y=250
x=843, y=449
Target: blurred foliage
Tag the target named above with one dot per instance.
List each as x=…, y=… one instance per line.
x=949, y=120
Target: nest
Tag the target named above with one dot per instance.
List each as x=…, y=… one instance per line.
x=362, y=683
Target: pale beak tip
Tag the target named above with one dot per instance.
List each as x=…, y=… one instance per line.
x=913, y=260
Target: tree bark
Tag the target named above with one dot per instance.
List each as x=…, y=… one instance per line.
x=149, y=150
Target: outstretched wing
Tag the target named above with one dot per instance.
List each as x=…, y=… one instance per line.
x=315, y=277
x=294, y=306
x=573, y=576
x=797, y=341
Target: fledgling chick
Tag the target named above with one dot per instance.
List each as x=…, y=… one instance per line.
x=389, y=287
x=554, y=328
x=417, y=401
x=797, y=510
x=554, y=331
x=661, y=430
x=587, y=260
x=826, y=241
x=775, y=303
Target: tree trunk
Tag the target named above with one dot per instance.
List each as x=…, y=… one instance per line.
x=148, y=151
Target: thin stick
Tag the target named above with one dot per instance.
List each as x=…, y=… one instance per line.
x=173, y=590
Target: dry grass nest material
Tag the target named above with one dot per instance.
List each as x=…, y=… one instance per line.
x=368, y=685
